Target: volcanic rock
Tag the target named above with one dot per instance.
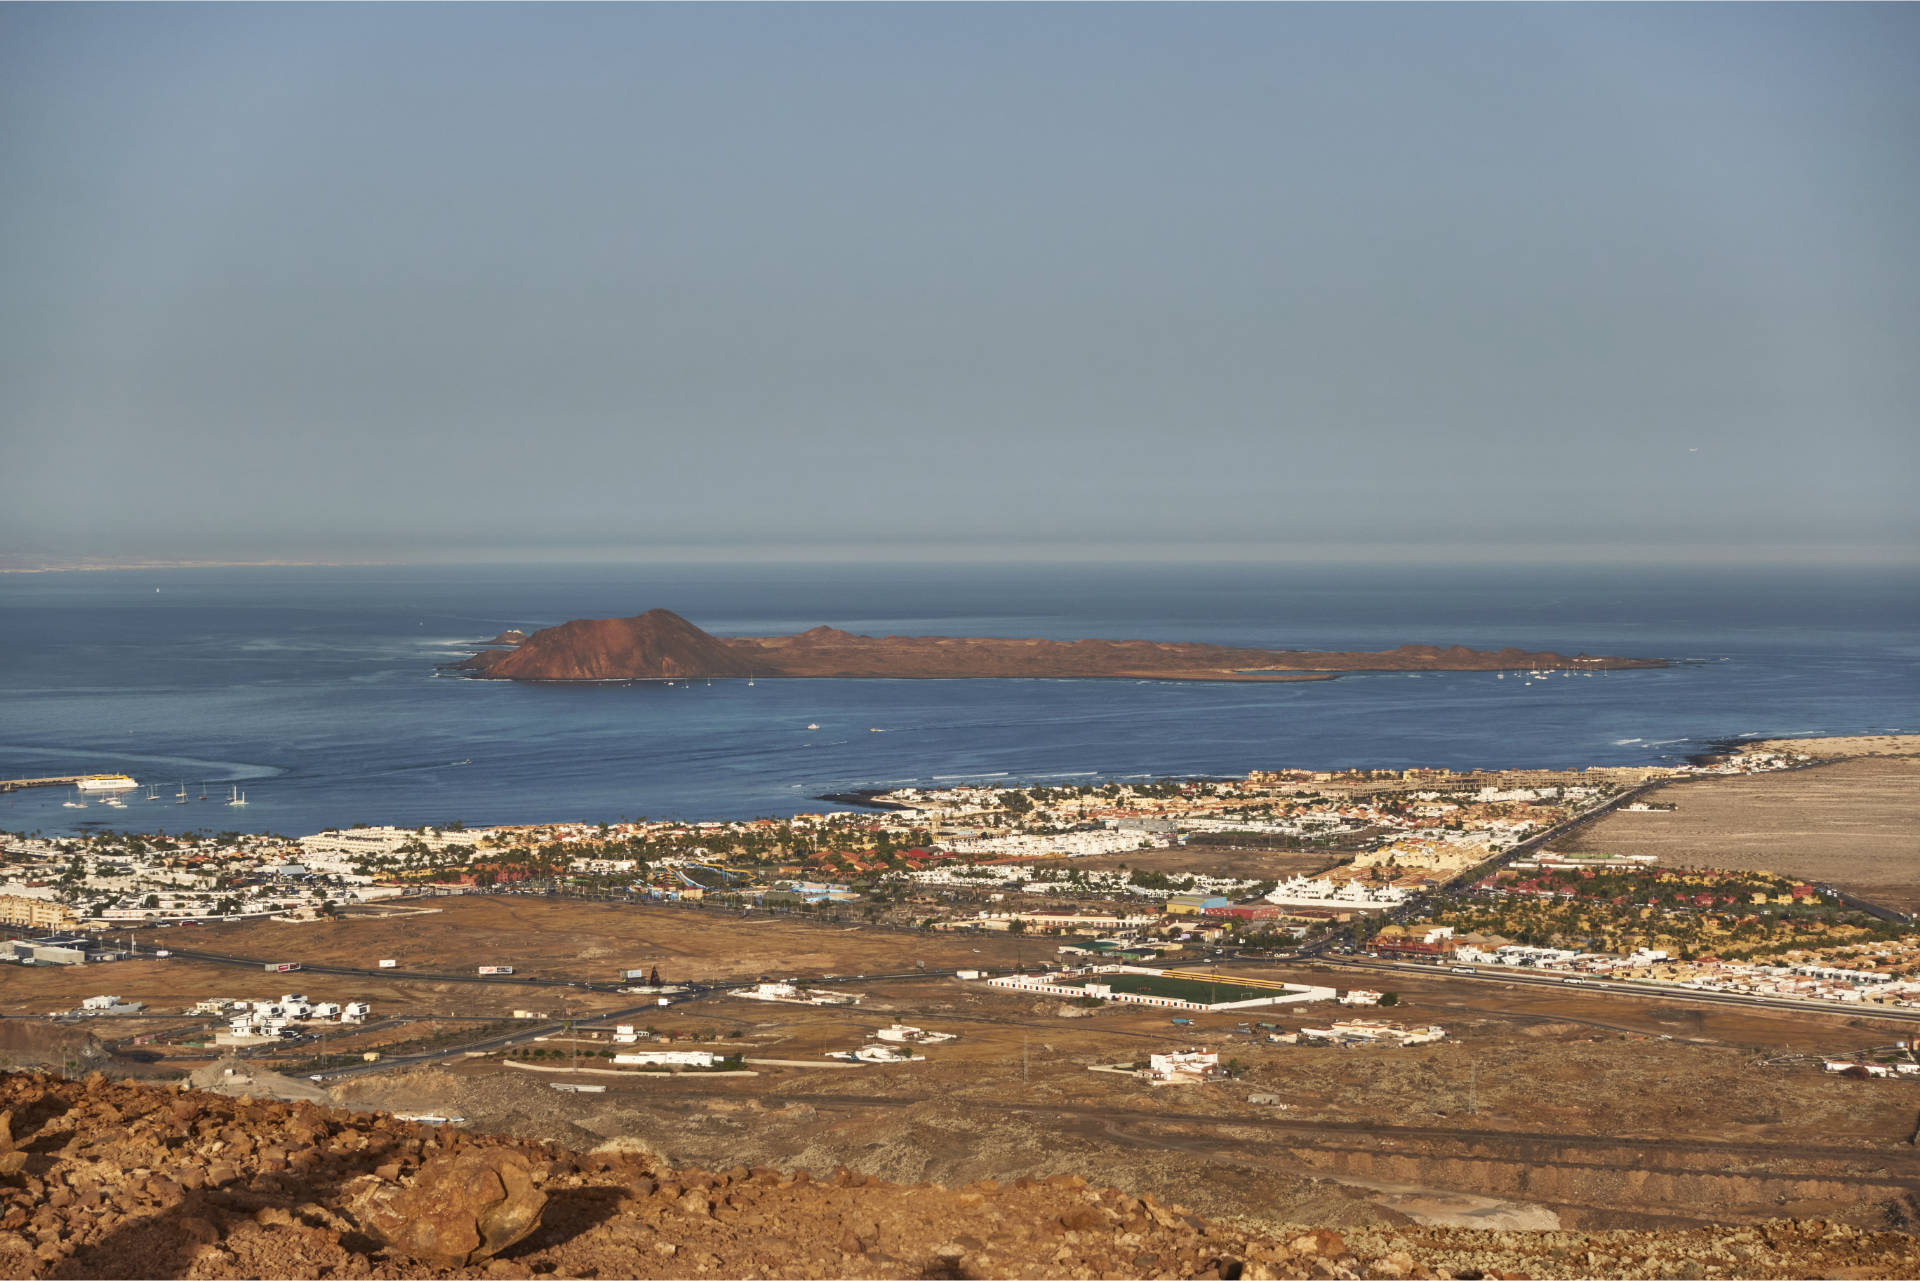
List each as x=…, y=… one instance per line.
x=658, y=643
x=12, y=1161
x=460, y=1209
x=137, y=1181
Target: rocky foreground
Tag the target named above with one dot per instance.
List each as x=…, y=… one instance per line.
x=107, y=1179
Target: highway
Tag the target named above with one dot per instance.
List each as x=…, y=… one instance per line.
x=259, y=964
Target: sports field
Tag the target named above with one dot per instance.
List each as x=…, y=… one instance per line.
x=1199, y=991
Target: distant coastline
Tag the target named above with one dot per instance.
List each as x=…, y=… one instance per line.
x=91, y=567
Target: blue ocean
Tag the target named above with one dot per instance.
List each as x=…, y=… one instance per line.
x=319, y=691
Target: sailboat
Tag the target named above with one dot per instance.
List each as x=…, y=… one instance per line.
x=749, y=680
x=239, y=797
x=203, y=791
x=180, y=797
x=153, y=792
x=76, y=803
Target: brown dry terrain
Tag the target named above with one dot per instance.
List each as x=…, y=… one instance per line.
x=660, y=644
x=1857, y=745
x=1536, y=1111
x=539, y=937
x=1542, y=1107
x=110, y=1180
x=559, y=938
x=1854, y=823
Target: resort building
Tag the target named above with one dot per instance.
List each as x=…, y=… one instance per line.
x=34, y=913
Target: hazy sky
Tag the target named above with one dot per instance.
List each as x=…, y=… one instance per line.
x=387, y=281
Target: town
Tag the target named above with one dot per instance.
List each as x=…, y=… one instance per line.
x=1419, y=866
x=1323, y=946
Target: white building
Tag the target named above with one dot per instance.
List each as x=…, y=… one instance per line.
x=787, y=992
x=901, y=1033
x=1374, y=1032
x=1182, y=1067
x=667, y=1058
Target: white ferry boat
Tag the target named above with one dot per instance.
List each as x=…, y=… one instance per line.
x=106, y=783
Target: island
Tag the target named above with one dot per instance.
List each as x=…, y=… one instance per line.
x=661, y=645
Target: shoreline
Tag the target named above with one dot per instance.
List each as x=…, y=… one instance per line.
x=1827, y=749
x=866, y=798
x=461, y=668
x=135, y=566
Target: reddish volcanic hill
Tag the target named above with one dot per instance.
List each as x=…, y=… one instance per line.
x=660, y=644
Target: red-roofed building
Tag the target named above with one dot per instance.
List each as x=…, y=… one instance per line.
x=1245, y=911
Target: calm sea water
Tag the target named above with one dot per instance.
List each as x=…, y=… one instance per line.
x=317, y=690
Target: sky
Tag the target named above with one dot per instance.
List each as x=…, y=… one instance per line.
x=438, y=282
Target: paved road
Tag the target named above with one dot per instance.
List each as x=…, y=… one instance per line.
x=262, y=964
x=533, y=980
x=519, y=1036
x=1480, y=870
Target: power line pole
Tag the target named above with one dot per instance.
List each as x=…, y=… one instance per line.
x=1473, y=1088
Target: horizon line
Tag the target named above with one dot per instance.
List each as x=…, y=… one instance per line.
x=1333, y=555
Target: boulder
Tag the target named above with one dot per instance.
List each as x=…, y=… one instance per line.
x=460, y=1209
x=12, y=1161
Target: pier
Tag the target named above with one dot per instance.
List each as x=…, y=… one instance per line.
x=21, y=784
